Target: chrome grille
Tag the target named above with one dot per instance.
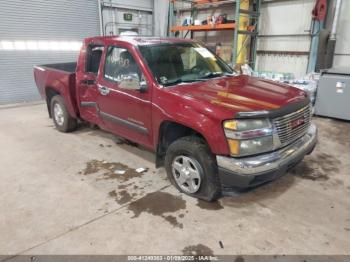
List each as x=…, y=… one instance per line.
x=284, y=125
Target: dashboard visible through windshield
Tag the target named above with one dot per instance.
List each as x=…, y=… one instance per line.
x=183, y=62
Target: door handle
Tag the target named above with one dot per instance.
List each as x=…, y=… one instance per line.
x=103, y=90
x=87, y=82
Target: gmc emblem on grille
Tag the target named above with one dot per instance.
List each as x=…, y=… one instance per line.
x=297, y=122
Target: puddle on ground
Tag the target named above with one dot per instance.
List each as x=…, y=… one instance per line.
x=209, y=205
x=102, y=145
x=109, y=168
x=197, y=250
x=158, y=204
x=240, y=259
x=317, y=167
x=124, y=186
x=173, y=221
x=121, y=197
x=304, y=170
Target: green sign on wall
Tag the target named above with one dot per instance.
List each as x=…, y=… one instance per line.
x=127, y=16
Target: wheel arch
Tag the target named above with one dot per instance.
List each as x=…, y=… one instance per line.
x=170, y=131
x=50, y=92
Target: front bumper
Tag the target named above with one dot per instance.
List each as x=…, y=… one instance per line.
x=252, y=171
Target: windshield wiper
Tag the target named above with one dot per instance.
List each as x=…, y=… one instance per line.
x=179, y=80
x=212, y=75
x=215, y=74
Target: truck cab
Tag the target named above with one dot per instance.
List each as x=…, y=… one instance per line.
x=211, y=128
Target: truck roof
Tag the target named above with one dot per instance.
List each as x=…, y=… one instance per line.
x=140, y=40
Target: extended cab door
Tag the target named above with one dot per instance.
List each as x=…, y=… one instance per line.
x=124, y=111
x=86, y=79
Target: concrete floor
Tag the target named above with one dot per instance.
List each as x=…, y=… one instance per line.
x=59, y=195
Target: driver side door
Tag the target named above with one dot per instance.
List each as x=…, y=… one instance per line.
x=124, y=111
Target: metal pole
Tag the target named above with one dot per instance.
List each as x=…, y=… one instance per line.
x=154, y=19
x=100, y=17
x=171, y=18
x=254, y=38
x=235, y=36
x=333, y=35
x=316, y=28
x=335, y=20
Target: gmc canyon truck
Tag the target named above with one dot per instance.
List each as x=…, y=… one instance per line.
x=211, y=128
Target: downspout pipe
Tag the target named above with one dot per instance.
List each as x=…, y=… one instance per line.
x=316, y=27
x=333, y=35
x=100, y=15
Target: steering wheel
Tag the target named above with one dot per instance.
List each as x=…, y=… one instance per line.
x=199, y=71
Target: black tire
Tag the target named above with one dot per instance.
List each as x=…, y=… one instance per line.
x=69, y=123
x=197, y=149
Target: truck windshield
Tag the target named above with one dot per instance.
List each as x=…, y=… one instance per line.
x=183, y=62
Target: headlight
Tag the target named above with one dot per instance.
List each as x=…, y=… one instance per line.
x=249, y=137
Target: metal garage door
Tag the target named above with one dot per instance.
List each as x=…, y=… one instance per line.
x=38, y=32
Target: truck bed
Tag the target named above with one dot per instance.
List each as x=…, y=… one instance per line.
x=57, y=79
x=67, y=67
x=47, y=76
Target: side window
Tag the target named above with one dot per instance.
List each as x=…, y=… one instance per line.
x=93, y=58
x=120, y=63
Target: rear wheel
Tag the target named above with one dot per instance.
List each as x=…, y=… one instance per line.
x=61, y=118
x=192, y=169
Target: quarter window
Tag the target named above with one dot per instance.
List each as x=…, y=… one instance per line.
x=93, y=59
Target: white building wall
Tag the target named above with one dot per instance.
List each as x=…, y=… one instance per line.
x=342, y=48
x=285, y=18
x=113, y=16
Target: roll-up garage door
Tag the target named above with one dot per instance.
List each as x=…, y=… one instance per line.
x=40, y=32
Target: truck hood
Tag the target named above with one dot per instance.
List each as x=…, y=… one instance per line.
x=240, y=93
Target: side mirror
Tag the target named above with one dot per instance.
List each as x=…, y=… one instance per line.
x=132, y=82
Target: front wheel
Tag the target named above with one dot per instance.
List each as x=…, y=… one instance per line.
x=61, y=118
x=192, y=169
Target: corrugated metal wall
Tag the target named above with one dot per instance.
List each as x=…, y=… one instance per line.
x=34, y=20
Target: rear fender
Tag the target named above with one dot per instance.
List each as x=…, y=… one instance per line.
x=59, y=87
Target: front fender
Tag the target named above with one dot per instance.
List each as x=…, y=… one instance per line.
x=210, y=128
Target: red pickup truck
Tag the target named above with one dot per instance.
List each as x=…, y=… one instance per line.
x=211, y=128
